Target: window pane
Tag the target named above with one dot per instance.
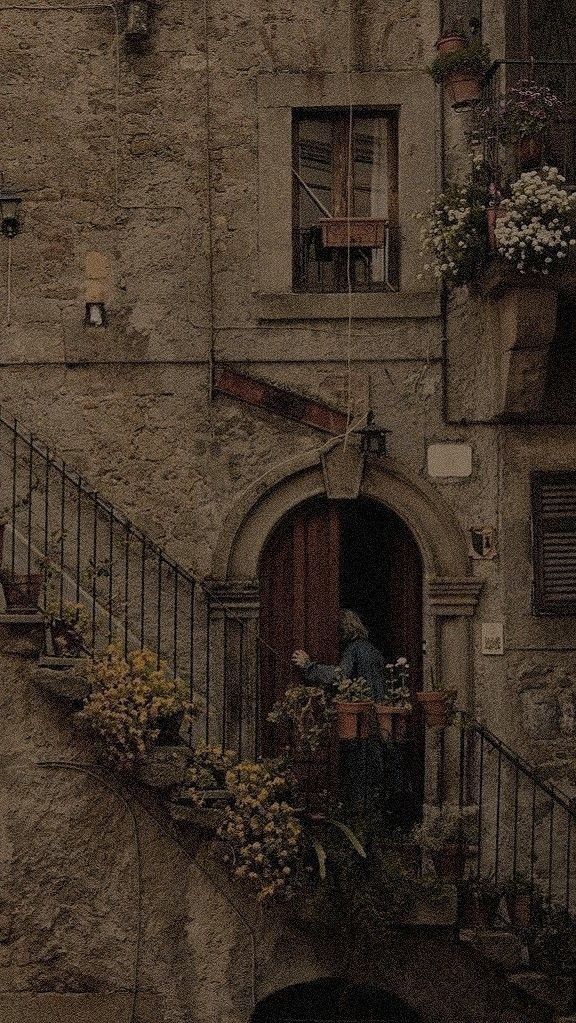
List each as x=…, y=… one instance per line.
x=371, y=167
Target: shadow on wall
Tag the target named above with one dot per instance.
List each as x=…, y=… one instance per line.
x=334, y=1001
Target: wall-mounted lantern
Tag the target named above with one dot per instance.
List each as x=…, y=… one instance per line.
x=373, y=437
x=9, y=213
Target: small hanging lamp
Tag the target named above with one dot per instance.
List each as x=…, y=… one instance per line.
x=9, y=216
x=373, y=437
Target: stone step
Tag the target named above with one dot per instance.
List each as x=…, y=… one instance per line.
x=69, y=683
x=22, y=635
x=503, y=948
x=557, y=992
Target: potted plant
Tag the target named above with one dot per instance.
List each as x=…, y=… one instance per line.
x=306, y=710
x=133, y=704
x=437, y=704
x=536, y=230
x=352, y=707
x=454, y=233
x=21, y=591
x=451, y=40
x=462, y=72
x=521, y=899
x=478, y=901
x=522, y=118
x=69, y=626
x=393, y=714
x=441, y=836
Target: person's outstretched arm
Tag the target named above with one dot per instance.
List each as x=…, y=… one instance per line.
x=324, y=674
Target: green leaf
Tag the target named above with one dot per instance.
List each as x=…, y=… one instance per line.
x=321, y=855
x=354, y=841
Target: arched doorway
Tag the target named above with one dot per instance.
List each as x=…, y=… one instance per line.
x=324, y=555
x=334, y=1000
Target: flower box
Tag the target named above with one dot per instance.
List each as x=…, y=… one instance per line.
x=341, y=233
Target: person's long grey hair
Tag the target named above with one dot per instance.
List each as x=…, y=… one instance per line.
x=351, y=626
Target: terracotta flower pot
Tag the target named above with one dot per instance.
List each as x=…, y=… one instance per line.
x=464, y=89
x=353, y=719
x=449, y=862
x=450, y=43
x=436, y=704
x=519, y=907
x=21, y=592
x=529, y=153
x=392, y=721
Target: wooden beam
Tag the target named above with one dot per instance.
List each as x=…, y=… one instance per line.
x=279, y=401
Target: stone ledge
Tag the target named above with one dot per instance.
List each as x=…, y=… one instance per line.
x=205, y=818
x=504, y=948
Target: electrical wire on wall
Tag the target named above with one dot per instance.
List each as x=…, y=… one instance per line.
x=349, y=201
x=208, y=143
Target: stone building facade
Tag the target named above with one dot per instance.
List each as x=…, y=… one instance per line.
x=156, y=181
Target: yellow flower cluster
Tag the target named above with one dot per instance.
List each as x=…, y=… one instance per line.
x=129, y=697
x=261, y=831
x=207, y=770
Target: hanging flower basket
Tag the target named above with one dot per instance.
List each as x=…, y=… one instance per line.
x=437, y=705
x=353, y=719
x=21, y=592
x=392, y=721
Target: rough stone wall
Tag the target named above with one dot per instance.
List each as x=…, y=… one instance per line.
x=109, y=147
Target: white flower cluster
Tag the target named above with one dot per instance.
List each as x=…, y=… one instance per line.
x=454, y=236
x=536, y=226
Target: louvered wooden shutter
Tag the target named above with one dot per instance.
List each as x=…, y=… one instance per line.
x=554, y=542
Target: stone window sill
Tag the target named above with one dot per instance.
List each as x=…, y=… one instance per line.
x=373, y=306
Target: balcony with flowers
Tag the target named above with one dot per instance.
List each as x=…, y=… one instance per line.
x=507, y=231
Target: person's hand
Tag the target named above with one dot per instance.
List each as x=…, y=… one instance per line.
x=300, y=658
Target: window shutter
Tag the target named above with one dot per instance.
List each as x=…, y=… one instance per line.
x=554, y=542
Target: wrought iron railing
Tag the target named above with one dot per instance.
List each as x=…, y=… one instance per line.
x=86, y=551
x=320, y=268
x=522, y=825
x=558, y=147
x=138, y=596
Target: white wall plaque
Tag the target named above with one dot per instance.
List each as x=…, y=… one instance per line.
x=492, y=638
x=449, y=460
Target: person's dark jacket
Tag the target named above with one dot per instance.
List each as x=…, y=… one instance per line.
x=360, y=659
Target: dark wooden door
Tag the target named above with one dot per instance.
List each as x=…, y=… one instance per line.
x=300, y=601
x=324, y=556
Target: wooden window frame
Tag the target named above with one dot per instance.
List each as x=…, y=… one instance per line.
x=542, y=604
x=340, y=118
x=409, y=92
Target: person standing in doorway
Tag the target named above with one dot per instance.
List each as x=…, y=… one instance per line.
x=370, y=767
